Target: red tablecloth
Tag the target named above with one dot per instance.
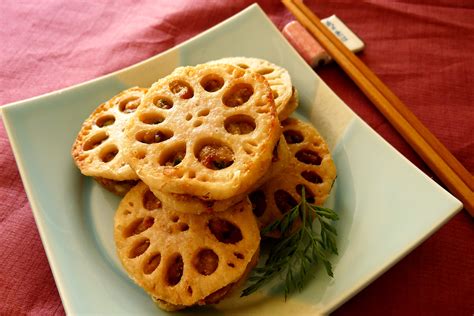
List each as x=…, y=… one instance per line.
x=423, y=50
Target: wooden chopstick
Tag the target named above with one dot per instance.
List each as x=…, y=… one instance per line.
x=449, y=170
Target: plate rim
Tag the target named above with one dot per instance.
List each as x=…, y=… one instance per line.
x=12, y=107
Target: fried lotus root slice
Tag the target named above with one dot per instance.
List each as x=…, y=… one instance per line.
x=98, y=150
x=310, y=167
x=117, y=187
x=291, y=106
x=191, y=204
x=278, y=78
x=184, y=203
x=280, y=159
x=218, y=295
x=183, y=258
x=218, y=136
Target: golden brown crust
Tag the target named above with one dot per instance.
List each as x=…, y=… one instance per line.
x=278, y=78
x=180, y=154
x=290, y=106
x=117, y=187
x=184, y=203
x=167, y=306
x=310, y=166
x=183, y=258
x=98, y=150
x=191, y=204
x=217, y=296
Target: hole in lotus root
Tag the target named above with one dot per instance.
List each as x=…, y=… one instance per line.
x=308, y=194
x=204, y=112
x=129, y=105
x=182, y=89
x=293, y=137
x=265, y=71
x=237, y=95
x=312, y=177
x=286, y=122
x=174, y=218
x=138, y=226
x=108, y=153
x=105, y=120
x=152, y=263
x=163, y=102
x=259, y=203
x=284, y=201
x=239, y=124
x=212, y=83
x=175, y=270
x=206, y=261
x=275, y=94
x=150, y=137
x=215, y=155
x=238, y=255
x=209, y=203
x=173, y=155
x=140, y=154
x=139, y=248
x=151, y=118
x=183, y=227
x=243, y=66
x=189, y=116
x=95, y=140
x=308, y=157
x=150, y=201
x=231, y=264
x=275, y=157
x=225, y=231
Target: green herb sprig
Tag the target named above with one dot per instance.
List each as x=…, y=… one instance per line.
x=299, y=249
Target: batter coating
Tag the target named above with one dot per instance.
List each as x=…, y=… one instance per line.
x=206, y=131
x=183, y=258
x=192, y=204
x=98, y=150
x=310, y=166
x=278, y=78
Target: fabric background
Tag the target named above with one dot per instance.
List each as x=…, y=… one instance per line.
x=423, y=50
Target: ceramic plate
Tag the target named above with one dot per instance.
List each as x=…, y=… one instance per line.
x=387, y=206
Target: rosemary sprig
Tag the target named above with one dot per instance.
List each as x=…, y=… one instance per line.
x=299, y=249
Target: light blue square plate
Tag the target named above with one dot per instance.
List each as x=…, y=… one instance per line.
x=387, y=206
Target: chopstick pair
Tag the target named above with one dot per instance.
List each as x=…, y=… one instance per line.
x=449, y=170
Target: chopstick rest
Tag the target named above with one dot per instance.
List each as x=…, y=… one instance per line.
x=310, y=49
x=343, y=33
x=450, y=171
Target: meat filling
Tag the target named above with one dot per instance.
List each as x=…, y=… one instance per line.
x=216, y=157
